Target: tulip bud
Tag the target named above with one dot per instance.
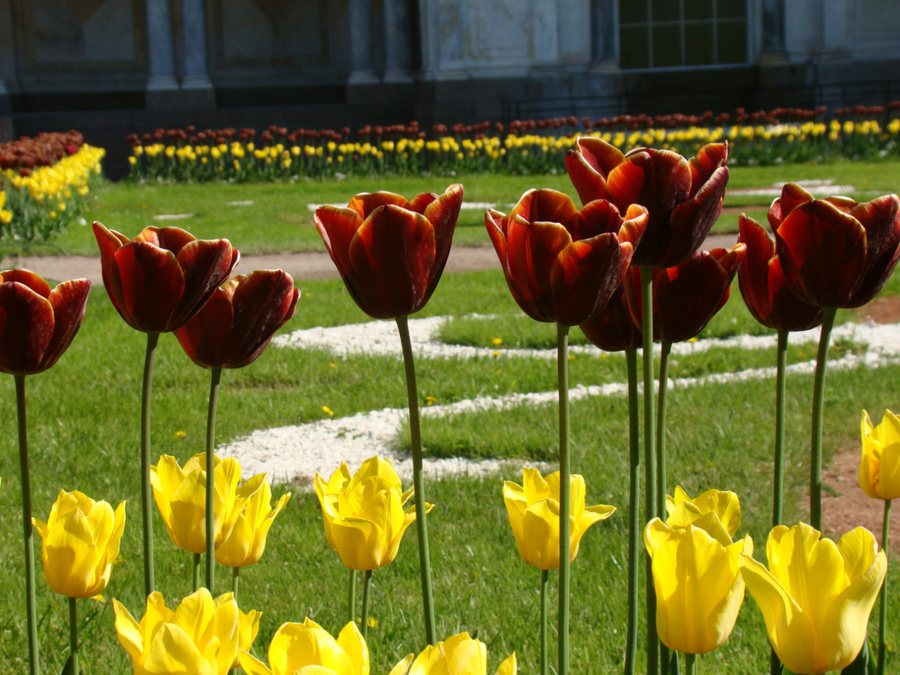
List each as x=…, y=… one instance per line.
x=879, y=466
x=307, y=647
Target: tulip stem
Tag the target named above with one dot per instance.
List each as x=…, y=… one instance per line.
x=649, y=460
x=690, y=664
x=634, y=516
x=367, y=585
x=73, y=634
x=815, y=464
x=196, y=569
x=146, y=492
x=418, y=481
x=545, y=652
x=351, y=597
x=565, y=487
x=215, y=378
x=666, y=349
x=27, y=530
x=235, y=581
x=882, y=626
x=780, y=391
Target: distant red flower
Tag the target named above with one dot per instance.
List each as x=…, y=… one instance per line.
x=37, y=324
x=764, y=287
x=235, y=325
x=562, y=265
x=683, y=197
x=687, y=296
x=836, y=252
x=391, y=252
x=158, y=281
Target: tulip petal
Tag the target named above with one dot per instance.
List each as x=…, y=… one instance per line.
x=508, y=667
x=792, y=196
x=586, y=276
x=704, y=164
x=128, y=631
x=588, y=165
x=550, y=206
x=338, y=226
x=206, y=264
x=403, y=667
x=251, y=664
x=353, y=643
x=172, y=652
x=26, y=328
x=692, y=220
x=881, y=220
x=69, y=300
x=533, y=251
x=540, y=544
x=442, y=213
x=365, y=203
x=263, y=302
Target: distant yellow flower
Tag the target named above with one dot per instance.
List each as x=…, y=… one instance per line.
x=328, y=411
x=80, y=543
x=457, y=655
x=301, y=648
x=247, y=541
x=497, y=341
x=879, y=466
x=430, y=400
x=180, y=434
x=533, y=510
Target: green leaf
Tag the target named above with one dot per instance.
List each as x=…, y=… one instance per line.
x=69, y=668
x=861, y=665
x=673, y=664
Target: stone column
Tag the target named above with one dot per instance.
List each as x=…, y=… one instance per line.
x=7, y=71
x=605, y=43
x=162, y=85
x=835, y=37
x=197, y=89
x=574, y=19
x=773, y=28
x=362, y=46
x=397, y=56
x=545, y=27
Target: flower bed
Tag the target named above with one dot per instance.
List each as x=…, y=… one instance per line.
x=44, y=184
x=522, y=147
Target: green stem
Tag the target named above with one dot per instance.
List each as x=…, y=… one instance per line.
x=418, y=481
x=649, y=461
x=146, y=491
x=778, y=479
x=27, y=530
x=351, y=597
x=196, y=571
x=634, y=516
x=215, y=378
x=815, y=464
x=367, y=584
x=562, y=367
x=690, y=664
x=666, y=349
x=235, y=581
x=882, y=626
x=73, y=634
x=545, y=652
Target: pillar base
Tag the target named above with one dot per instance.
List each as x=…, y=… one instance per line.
x=197, y=93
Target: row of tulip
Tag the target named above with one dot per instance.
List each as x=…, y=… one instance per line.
x=518, y=153
x=563, y=265
x=38, y=203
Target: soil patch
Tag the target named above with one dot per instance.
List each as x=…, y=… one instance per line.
x=881, y=310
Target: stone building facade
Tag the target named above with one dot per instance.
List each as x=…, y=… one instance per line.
x=115, y=66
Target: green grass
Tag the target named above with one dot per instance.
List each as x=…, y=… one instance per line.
x=84, y=434
x=279, y=220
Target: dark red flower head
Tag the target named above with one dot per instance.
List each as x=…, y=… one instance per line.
x=683, y=197
x=561, y=264
x=687, y=296
x=36, y=324
x=158, y=281
x=836, y=252
x=390, y=251
x=234, y=327
x=764, y=286
x=613, y=329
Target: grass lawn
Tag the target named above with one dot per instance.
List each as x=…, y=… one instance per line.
x=84, y=434
x=279, y=219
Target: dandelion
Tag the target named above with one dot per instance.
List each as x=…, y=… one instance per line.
x=328, y=411
x=497, y=341
x=430, y=400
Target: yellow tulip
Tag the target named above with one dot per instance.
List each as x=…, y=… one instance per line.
x=696, y=574
x=308, y=648
x=682, y=510
x=816, y=596
x=363, y=513
x=248, y=627
x=533, y=510
x=80, y=543
x=247, y=541
x=879, y=467
x=181, y=497
x=458, y=655
x=200, y=637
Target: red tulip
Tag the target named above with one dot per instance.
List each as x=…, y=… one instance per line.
x=562, y=265
x=835, y=252
x=390, y=251
x=687, y=296
x=764, y=287
x=613, y=329
x=36, y=324
x=233, y=328
x=161, y=279
x=683, y=197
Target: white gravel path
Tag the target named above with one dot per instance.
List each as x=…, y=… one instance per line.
x=298, y=452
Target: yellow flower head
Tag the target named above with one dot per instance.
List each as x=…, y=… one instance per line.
x=247, y=541
x=363, y=514
x=308, y=648
x=879, y=466
x=200, y=637
x=816, y=596
x=457, y=655
x=721, y=504
x=533, y=510
x=80, y=543
x=180, y=494
x=696, y=574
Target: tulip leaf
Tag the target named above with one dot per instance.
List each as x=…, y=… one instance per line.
x=785, y=671
x=673, y=664
x=861, y=665
x=69, y=668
